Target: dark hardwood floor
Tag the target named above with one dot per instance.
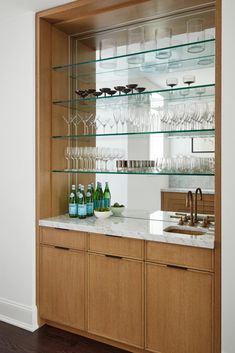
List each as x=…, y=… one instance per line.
x=48, y=340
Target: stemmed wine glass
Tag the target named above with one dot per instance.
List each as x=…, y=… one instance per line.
x=116, y=117
x=67, y=155
x=68, y=120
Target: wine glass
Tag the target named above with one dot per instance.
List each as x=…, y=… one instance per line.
x=67, y=155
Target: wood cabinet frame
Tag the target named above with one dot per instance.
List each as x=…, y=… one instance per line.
x=81, y=15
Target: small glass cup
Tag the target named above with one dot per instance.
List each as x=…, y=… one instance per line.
x=108, y=49
x=135, y=44
x=163, y=38
x=195, y=34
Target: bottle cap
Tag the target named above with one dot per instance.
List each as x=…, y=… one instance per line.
x=73, y=187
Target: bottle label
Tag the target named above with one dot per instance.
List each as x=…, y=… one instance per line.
x=73, y=209
x=90, y=208
x=106, y=203
x=82, y=210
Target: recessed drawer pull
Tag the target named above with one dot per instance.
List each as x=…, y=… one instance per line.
x=61, y=247
x=177, y=267
x=113, y=236
x=67, y=230
x=115, y=257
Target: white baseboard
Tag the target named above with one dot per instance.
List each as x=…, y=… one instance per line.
x=18, y=314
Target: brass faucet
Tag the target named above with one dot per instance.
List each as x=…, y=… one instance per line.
x=189, y=202
x=198, y=190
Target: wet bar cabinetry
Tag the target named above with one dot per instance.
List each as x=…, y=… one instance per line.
x=130, y=293
x=139, y=295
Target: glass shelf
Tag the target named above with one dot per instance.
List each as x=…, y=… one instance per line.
x=181, y=59
x=181, y=133
x=158, y=95
x=131, y=173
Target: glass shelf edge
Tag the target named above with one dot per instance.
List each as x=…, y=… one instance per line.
x=171, y=90
x=169, y=132
x=63, y=67
x=129, y=173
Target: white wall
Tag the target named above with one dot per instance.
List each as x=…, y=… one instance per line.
x=17, y=186
x=228, y=177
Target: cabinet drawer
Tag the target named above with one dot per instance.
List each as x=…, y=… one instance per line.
x=64, y=238
x=192, y=257
x=113, y=245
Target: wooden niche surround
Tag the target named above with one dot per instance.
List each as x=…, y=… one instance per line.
x=178, y=313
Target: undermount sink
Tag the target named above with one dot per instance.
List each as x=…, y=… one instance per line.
x=184, y=230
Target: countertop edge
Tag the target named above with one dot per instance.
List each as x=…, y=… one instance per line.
x=162, y=238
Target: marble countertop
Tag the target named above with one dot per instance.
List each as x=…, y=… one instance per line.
x=136, y=228
x=204, y=191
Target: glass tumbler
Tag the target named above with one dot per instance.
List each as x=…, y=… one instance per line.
x=135, y=44
x=163, y=38
x=108, y=49
x=195, y=34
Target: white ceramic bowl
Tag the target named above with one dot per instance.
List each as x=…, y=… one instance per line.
x=103, y=215
x=117, y=211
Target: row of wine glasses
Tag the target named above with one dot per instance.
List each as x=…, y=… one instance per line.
x=186, y=164
x=92, y=158
x=171, y=117
x=177, y=164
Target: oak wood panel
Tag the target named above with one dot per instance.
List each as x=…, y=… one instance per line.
x=65, y=238
x=193, y=257
x=176, y=202
x=115, y=245
x=87, y=16
x=115, y=299
x=62, y=286
x=60, y=90
x=179, y=310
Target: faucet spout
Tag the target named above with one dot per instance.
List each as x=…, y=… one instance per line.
x=198, y=191
x=189, y=203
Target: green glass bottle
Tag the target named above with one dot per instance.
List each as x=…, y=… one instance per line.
x=89, y=202
x=92, y=189
x=100, y=197
x=73, y=207
x=107, y=196
x=96, y=196
x=81, y=203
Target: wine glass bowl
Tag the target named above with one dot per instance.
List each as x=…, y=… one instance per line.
x=105, y=90
x=189, y=79
x=126, y=90
x=112, y=92
x=140, y=89
x=97, y=94
x=132, y=86
x=119, y=89
x=172, y=82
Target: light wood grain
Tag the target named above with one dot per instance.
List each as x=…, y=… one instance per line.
x=179, y=310
x=176, y=202
x=193, y=257
x=62, y=286
x=65, y=238
x=132, y=248
x=115, y=299
x=87, y=16
x=60, y=91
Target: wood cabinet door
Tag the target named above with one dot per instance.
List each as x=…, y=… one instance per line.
x=62, y=286
x=115, y=298
x=178, y=310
